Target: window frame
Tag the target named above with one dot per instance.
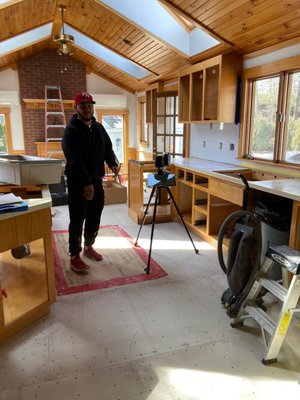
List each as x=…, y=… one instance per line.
x=282, y=68
x=185, y=135
x=6, y=112
x=143, y=126
x=115, y=111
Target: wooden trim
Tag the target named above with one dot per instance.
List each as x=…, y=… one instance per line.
x=40, y=103
x=294, y=241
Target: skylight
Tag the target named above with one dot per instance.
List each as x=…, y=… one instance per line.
x=150, y=15
x=4, y=3
x=101, y=52
x=25, y=39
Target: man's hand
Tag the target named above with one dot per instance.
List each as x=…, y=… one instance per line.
x=115, y=170
x=88, y=192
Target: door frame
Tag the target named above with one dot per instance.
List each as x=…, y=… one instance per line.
x=124, y=113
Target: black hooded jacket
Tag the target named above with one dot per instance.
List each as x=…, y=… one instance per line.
x=86, y=149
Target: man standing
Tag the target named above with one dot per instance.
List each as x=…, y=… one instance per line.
x=86, y=146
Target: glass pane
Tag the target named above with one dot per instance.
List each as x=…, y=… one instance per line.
x=176, y=111
x=3, y=143
x=264, y=117
x=160, y=125
x=169, y=125
x=293, y=125
x=169, y=144
x=178, y=145
x=160, y=144
x=113, y=124
x=170, y=105
x=179, y=127
x=160, y=106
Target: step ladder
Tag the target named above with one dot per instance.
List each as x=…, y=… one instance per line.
x=290, y=260
x=55, y=120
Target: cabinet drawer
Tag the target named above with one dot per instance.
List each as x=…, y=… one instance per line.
x=226, y=191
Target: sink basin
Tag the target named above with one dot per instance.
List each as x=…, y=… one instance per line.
x=29, y=170
x=235, y=174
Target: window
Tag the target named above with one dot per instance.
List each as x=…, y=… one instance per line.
x=292, y=137
x=5, y=132
x=169, y=134
x=143, y=126
x=115, y=123
x=272, y=126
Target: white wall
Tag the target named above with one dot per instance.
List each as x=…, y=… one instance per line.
x=110, y=96
x=214, y=141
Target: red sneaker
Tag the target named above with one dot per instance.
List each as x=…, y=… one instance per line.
x=92, y=254
x=78, y=265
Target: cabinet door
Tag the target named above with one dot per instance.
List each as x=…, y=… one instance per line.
x=184, y=98
x=211, y=93
x=197, y=96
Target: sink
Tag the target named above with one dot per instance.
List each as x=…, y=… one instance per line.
x=235, y=174
x=29, y=170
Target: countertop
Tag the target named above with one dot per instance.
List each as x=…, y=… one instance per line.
x=288, y=188
x=33, y=204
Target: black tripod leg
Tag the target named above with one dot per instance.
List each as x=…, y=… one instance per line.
x=144, y=217
x=157, y=194
x=182, y=220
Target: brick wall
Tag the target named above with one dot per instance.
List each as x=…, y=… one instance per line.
x=46, y=68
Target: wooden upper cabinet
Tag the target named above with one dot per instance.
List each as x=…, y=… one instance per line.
x=150, y=104
x=208, y=90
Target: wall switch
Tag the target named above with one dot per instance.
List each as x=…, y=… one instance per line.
x=221, y=146
x=231, y=146
x=204, y=144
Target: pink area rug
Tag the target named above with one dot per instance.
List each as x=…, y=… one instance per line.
x=123, y=263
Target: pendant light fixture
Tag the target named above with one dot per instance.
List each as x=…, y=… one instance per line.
x=63, y=39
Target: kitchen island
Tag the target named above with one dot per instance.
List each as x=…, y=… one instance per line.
x=26, y=281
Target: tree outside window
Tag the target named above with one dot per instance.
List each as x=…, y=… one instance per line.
x=3, y=140
x=264, y=117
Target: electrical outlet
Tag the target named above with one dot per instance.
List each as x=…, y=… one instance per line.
x=221, y=146
x=231, y=146
x=203, y=144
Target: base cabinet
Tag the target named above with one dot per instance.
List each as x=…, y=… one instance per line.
x=27, y=286
x=203, y=204
x=139, y=194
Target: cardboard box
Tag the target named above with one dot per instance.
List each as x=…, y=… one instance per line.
x=114, y=192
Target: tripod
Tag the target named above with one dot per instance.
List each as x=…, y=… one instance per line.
x=157, y=191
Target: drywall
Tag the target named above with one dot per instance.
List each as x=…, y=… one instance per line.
x=214, y=141
x=108, y=95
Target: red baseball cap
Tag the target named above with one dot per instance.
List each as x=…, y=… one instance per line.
x=83, y=97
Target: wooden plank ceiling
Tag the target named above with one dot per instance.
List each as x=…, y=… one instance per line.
x=250, y=27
